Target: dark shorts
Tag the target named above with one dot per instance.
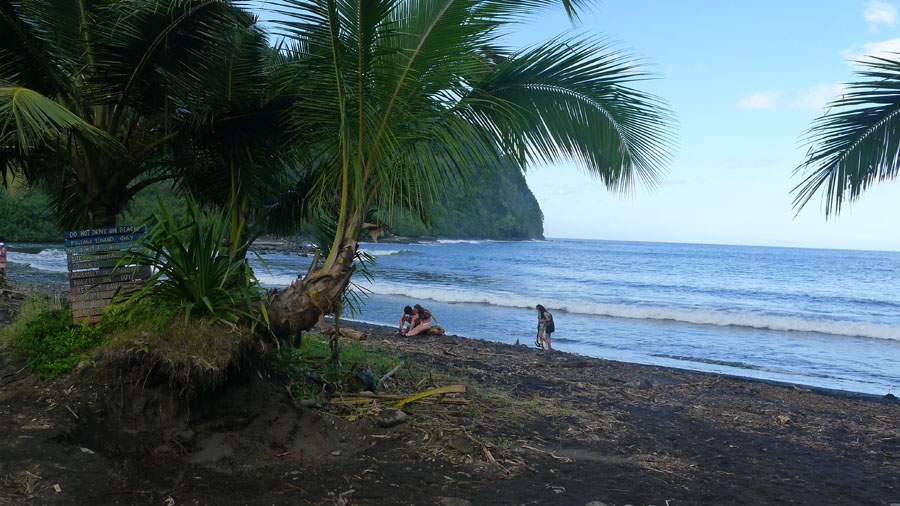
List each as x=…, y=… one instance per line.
x=549, y=328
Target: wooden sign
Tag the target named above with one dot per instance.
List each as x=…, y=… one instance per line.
x=93, y=232
x=95, y=274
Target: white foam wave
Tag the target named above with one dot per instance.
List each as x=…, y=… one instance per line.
x=384, y=252
x=686, y=314
x=460, y=241
x=273, y=280
x=51, y=259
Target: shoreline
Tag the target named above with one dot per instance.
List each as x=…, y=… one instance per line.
x=61, y=290
x=889, y=397
x=532, y=427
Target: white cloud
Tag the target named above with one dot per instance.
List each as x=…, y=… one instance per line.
x=880, y=13
x=766, y=99
x=818, y=97
x=884, y=49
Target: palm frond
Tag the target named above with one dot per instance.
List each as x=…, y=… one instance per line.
x=573, y=99
x=857, y=145
x=33, y=121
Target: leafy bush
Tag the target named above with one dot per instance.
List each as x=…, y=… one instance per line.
x=49, y=341
x=195, y=271
x=311, y=373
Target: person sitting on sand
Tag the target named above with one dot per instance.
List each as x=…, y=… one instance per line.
x=423, y=325
x=406, y=320
x=545, y=326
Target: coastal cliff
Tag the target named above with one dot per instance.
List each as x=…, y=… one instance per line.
x=495, y=205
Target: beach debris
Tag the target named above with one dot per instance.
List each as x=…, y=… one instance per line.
x=345, y=332
x=783, y=420
x=454, y=501
x=804, y=390
x=169, y=501
x=350, y=399
x=87, y=450
x=461, y=444
x=390, y=373
x=434, y=391
x=596, y=503
x=57, y=488
x=336, y=453
x=558, y=489
x=391, y=417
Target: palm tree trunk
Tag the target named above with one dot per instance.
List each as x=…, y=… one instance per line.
x=302, y=304
x=102, y=215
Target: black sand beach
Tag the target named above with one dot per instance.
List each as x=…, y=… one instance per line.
x=532, y=427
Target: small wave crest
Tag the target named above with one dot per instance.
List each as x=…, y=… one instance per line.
x=386, y=252
x=723, y=317
x=272, y=280
x=460, y=241
x=50, y=260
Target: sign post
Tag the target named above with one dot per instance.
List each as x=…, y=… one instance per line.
x=94, y=272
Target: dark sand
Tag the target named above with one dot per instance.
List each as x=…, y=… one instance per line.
x=538, y=428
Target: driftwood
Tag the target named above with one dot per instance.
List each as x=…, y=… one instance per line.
x=345, y=332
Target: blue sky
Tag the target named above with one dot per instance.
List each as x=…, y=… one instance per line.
x=745, y=79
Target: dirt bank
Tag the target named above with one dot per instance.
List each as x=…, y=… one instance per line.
x=532, y=428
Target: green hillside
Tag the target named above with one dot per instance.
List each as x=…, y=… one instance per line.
x=497, y=205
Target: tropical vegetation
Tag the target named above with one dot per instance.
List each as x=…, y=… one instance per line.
x=343, y=115
x=402, y=98
x=27, y=217
x=855, y=144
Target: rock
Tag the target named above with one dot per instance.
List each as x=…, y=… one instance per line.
x=390, y=417
x=461, y=444
x=454, y=501
x=645, y=384
x=336, y=453
x=596, y=503
x=890, y=397
x=185, y=436
x=310, y=403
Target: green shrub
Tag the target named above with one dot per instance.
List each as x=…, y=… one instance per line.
x=49, y=342
x=195, y=271
x=310, y=372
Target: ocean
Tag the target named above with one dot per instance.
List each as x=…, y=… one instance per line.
x=826, y=318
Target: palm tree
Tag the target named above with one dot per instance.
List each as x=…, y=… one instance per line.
x=90, y=107
x=859, y=144
x=400, y=98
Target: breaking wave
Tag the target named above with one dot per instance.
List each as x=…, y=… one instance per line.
x=698, y=315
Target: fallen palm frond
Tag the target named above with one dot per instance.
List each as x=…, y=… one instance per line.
x=435, y=391
x=350, y=399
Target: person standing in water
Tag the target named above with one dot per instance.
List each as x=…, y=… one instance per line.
x=545, y=326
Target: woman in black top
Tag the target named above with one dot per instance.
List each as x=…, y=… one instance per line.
x=545, y=325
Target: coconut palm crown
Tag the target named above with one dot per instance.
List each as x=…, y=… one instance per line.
x=400, y=98
x=89, y=103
